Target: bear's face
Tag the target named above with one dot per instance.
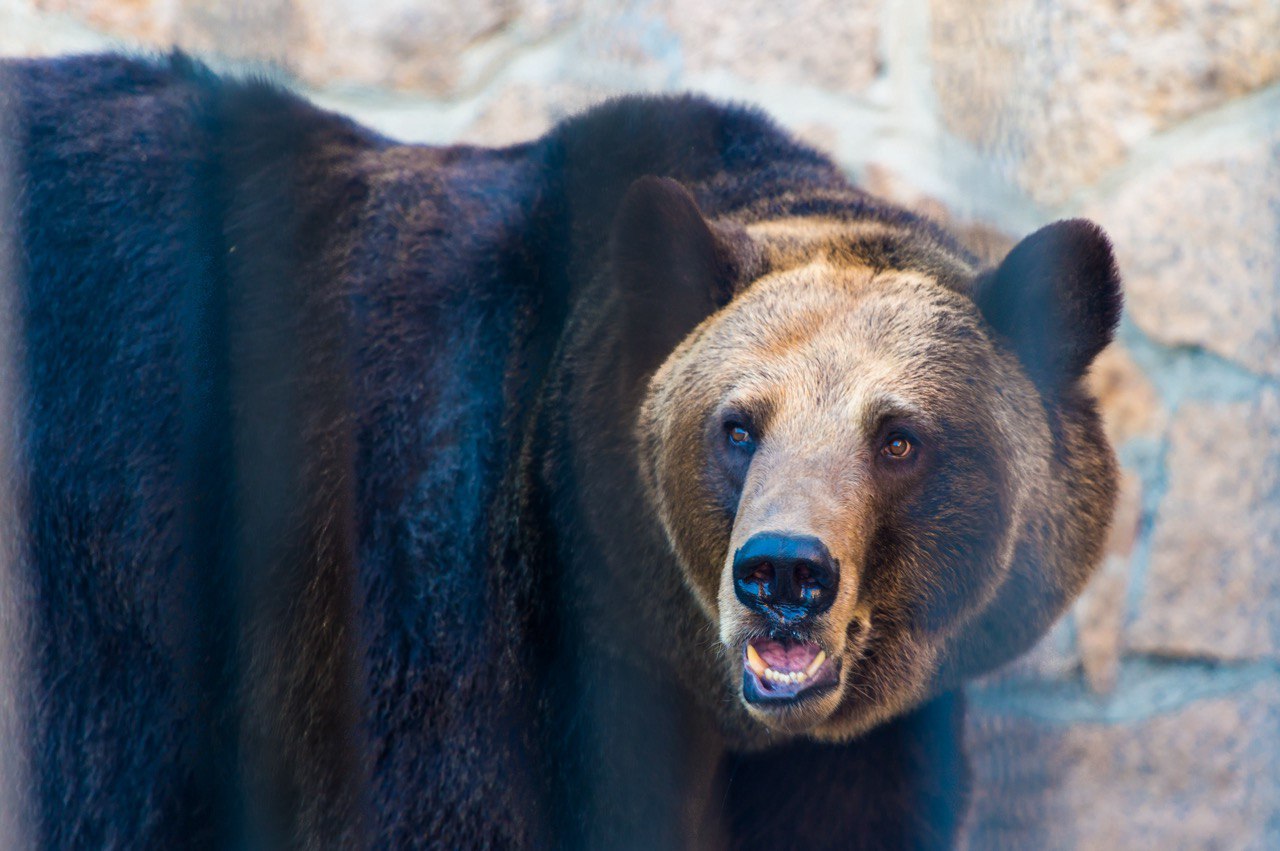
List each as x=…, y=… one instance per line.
x=846, y=460
x=835, y=482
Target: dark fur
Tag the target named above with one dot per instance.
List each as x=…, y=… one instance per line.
x=321, y=434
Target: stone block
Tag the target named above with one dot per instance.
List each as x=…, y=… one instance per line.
x=28, y=31
x=521, y=112
x=1213, y=584
x=398, y=44
x=1058, y=93
x=144, y=21
x=1199, y=246
x=255, y=31
x=829, y=44
x=628, y=39
x=1128, y=400
x=1202, y=775
x=1100, y=612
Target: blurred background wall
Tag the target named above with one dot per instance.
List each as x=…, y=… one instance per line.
x=1151, y=715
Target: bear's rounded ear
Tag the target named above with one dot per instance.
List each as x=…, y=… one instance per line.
x=1055, y=300
x=673, y=268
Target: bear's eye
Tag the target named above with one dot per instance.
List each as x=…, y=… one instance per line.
x=738, y=435
x=897, y=446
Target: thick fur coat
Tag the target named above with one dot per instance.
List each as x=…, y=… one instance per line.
x=365, y=505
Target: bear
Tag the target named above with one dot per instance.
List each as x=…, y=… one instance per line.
x=644, y=485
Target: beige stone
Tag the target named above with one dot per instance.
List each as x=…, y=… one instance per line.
x=1129, y=402
x=818, y=134
x=259, y=31
x=1201, y=776
x=830, y=44
x=399, y=44
x=434, y=47
x=431, y=47
x=1058, y=93
x=627, y=41
x=145, y=21
x=1199, y=247
x=28, y=31
x=1213, y=584
x=522, y=112
x=541, y=18
x=1100, y=612
x=1099, y=615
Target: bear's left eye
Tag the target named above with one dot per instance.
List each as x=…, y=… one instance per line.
x=738, y=435
x=897, y=446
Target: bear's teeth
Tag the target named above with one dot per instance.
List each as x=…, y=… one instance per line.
x=783, y=677
x=761, y=668
x=815, y=664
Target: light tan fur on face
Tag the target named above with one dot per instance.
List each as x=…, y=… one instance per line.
x=827, y=346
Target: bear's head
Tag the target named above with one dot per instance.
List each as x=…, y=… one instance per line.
x=875, y=463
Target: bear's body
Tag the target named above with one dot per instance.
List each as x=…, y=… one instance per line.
x=334, y=527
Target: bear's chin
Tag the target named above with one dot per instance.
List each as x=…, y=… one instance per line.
x=803, y=715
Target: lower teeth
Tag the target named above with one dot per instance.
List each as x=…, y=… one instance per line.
x=784, y=677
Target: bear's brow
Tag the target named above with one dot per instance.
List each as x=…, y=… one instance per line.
x=756, y=409
x=883, y=406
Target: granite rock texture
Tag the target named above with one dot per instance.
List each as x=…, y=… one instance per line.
x=1198, y=772
x=1058, y=93
x=1199, y=241
x=1213, y=583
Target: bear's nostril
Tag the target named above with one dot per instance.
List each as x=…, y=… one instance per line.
x=762, y=575
x=758, y=581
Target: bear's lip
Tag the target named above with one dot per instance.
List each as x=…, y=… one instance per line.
x=778, y=673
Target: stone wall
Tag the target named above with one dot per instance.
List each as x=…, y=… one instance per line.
x=1151, y=715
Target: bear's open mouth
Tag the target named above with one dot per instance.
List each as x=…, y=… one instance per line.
x=784, y=672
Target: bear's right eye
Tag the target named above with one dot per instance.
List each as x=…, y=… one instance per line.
x=738, y=435
x=897, y=446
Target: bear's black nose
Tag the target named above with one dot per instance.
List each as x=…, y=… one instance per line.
x=786, y=578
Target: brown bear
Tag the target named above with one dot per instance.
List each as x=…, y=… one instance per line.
x=644, y=485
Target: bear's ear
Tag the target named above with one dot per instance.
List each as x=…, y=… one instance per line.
x=1055, y=299
x=673, y=268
